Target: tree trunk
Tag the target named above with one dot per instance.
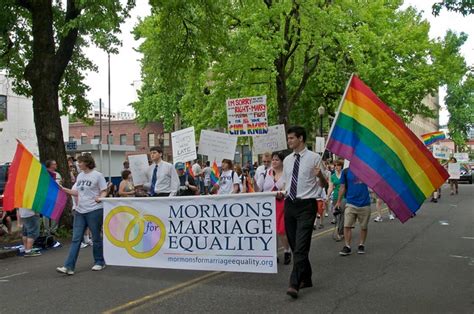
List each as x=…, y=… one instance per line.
x=282, y=92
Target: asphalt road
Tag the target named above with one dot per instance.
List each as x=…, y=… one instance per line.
x=423, y=266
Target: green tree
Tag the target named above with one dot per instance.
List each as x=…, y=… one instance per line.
x=299, y=53
x=460, y=104
x=465, y=7
x=41, y=47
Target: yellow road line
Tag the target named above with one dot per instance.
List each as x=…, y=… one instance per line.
x=190, y=283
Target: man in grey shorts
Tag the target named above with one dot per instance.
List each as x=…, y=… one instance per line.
x=30, y=230
x=357, y=209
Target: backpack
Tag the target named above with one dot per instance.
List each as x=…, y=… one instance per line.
x=44, y=242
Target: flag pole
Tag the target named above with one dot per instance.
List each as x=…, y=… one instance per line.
x=337, y=114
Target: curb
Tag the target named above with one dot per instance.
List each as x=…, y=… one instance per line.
x=8, y=253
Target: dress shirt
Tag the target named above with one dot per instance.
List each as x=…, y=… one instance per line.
x=167, y=180
x=308, y=182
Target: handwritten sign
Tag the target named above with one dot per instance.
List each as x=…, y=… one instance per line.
x=461, y=157
x=139, y=167
x=216, y=145
x=273, y=141
x=247, y=116
x=454, y=170
x=441, y=152
x=319, y=145
x=184, y=145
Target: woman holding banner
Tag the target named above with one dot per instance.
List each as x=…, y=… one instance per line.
x=229, y=180
x=273, y=181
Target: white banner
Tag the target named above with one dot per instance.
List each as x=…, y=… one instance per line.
x=184, y=145
x=274, y=141
x=461, y=157
x=139, y=167
x=217, y=233
x=217, y=145
x=247, y=116
x=319, y=145
x=454, y=170
x=441, y=152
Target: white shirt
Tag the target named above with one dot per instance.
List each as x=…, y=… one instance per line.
x=226, y=182
x=197, y=169
x=207, y=174
x=167, y=180
x=268, y=184
x=25, y=212
x=260, y=172
x=308, y=182
x=89, y=185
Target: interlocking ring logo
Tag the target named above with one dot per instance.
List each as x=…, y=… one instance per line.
x=142, y=236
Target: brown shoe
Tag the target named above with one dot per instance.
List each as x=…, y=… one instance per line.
x=292, y=292
x=306, y=285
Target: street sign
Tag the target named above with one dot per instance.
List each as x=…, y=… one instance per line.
x=71, y=145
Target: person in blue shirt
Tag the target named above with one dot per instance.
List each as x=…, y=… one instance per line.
x=357, y=209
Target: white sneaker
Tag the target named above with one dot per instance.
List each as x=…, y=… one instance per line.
x=98, y=267
x=378, y=219
x=84, y=245
x=326, y=214
x=64, y=270
x=391, y=217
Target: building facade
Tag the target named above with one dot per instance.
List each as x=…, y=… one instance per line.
x=422, y=125
x=124, y=132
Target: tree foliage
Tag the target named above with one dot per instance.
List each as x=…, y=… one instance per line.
x=299, y=53
x=465, y=7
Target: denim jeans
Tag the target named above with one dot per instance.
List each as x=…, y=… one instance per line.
x=94, y=221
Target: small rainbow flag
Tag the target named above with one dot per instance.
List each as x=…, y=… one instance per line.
x=31, y=186
x=189, y=169
x=383, y=152
x=214, y=173
x=430, y=138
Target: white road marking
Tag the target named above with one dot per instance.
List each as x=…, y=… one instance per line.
x=13, y=275
x=468, y=238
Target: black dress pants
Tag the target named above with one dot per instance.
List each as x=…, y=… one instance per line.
x=299, y=219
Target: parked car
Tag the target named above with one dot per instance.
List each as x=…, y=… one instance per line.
x=466, y=174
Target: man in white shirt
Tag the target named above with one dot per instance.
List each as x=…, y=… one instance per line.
x=262, y=170
x=303, y=180
x=197, y=171
x=162, y=177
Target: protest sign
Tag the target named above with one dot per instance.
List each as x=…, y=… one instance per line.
x=218, y=233
x=247, y=116
x=217, y=145
x=461, y=157
x=319, y=146
x=273, y=141
x=454, y=170
x=441, y=152
x=139, y=168
x=184, y=145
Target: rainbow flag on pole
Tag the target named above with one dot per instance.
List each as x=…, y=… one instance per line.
x=189, y=169
x=31, y=186
x=214, y=173
x=383, y=152
x=430, y=138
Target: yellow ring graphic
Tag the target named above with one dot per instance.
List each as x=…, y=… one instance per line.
x=136, y=219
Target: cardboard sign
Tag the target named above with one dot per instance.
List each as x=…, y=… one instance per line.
x=441, y=152
x=273, y=141
x=247, y=116
x=461, y=157
x=139, y=167
x=454, y=170
x=184, y=145
x=216, y=145
x=319, y=146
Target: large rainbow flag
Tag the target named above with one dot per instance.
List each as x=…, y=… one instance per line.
x=383, y=152
x=214, y=173
x=31, y=186
x=433, y=137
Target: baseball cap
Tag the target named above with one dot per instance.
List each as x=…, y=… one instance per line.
x=179, y=166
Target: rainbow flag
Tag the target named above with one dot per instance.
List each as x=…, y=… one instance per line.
x=383, y=152
x=31, y=186
x=214, y=173
x=189, y=169
x=430, y=138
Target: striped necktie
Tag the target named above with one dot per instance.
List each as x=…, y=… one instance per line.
x=153, y=181
x=294, y=178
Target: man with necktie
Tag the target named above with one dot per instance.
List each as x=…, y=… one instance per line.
x=303, y=180
x=162, y=177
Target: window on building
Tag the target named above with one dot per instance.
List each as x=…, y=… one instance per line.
x=96, y=137
x=3, y=107
x=111, y=139
x=151, y=139
x=123, y=139
x=136, y=139
x=71, y=138
x=83, y=140
x=166, y=139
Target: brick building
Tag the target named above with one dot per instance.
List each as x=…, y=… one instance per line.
x=124, y=132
